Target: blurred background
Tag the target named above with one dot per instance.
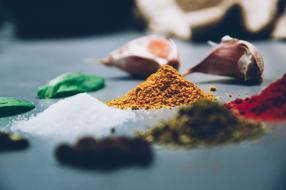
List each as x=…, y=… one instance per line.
x=196, y=20
x=48, y=38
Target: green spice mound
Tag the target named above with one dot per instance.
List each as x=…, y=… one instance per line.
x=12, y=106
x=69, y=84
x=203, y=123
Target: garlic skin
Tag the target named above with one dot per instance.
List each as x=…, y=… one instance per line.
x=144, y=56
x=235, y=58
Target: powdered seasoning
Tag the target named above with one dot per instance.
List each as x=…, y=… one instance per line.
x=164, y=89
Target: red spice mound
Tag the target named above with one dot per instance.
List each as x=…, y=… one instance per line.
x=269, y=105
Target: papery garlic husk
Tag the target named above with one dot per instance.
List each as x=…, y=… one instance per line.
x=144, y=56
x=235, y=58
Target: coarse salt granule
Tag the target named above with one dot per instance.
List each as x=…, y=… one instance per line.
x=72, y=117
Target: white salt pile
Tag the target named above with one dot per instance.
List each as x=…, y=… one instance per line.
x=73, y=117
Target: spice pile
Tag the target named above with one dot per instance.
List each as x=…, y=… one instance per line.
x=69, y=84
x=106, y=154
x=78, y=115
x=12, y=106
x=203, y=123
x=164, y=89
x=9, y=142
x=269, y=105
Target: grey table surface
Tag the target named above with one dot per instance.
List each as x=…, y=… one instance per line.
x=25, y=65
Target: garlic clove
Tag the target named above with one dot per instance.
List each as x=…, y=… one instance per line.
x=235, y=58
x=144, y=56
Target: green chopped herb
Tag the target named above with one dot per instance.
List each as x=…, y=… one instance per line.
x=12, y=106
x=69, y=84
x=203, y=123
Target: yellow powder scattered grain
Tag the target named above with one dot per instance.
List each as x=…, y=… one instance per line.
x=213, y=88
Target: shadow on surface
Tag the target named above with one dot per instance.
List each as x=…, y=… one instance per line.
x=230, y=81
x=125, y=78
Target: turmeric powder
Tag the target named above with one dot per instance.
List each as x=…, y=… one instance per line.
x=164, y=89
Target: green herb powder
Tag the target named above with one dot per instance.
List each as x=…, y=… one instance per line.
x=69, y=84
x=203, y=123
x=12, y=106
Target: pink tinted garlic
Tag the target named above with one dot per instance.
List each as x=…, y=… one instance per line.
x=235, y=58
x=144, y=56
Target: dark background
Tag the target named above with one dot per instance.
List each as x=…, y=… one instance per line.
x=70, y=18
x=66, y=18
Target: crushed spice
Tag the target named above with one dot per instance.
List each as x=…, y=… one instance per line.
x=201, y=124
x=12, y=142
x=105, y=154
x=164, y=89
x=269, y=105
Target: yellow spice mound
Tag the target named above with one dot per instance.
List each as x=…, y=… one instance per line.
x=164, y=89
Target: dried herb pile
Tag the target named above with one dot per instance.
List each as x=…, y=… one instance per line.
x=203, y=123
x=164, y=89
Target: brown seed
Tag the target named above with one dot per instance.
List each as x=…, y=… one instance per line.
x=213, y=88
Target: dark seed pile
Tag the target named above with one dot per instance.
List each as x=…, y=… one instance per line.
x=10, y=142
x=106, y=154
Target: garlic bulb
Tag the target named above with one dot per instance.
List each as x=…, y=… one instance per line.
x=192, y=19
x=144, y=56
x=234, y=58
x=279, y=31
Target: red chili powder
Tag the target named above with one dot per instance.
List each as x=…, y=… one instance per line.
x=269, y=105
